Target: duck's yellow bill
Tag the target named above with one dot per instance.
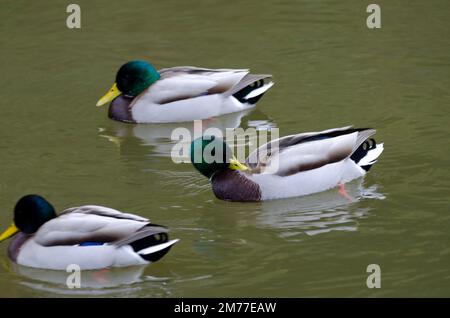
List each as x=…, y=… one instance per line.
x=112, y=93
x=236, y=165
x=12, y=229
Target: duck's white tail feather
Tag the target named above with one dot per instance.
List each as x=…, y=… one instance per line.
x=259, y=91
x=372, y=155
x=157, y=248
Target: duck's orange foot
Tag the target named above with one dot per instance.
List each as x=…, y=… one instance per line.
x=210, y=120
x=101, y=275
x=344, y=193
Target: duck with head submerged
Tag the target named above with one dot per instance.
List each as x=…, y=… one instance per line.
x=291, y=166
x=91, y=236
x=141, y=94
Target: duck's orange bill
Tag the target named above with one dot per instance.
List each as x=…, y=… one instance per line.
x=10, y=231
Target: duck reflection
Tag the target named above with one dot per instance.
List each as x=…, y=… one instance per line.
x=319, y=213
x=158, y=137
x=93, y=282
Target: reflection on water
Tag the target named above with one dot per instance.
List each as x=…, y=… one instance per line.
x=159, y=136
x=128, y=281
x=319, y=213
x=95, y=282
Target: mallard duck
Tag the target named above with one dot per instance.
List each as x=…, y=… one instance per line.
x=90, y=236
x=141, y=94
x=291, y=166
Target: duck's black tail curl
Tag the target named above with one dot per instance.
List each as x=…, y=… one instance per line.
x=151, y=242
x=367, y=153
x=241, y=95
x=251, y=88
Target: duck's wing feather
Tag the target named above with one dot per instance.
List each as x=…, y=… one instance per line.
x=180, y=70
x=89, y=223
x=246, y=80
x=184, y=82
x=296, y=153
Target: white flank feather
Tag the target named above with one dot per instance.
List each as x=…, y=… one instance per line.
x=307, y=182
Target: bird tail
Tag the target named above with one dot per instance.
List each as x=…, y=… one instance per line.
x=367, y=153
x=251, y=88
x=151, y=243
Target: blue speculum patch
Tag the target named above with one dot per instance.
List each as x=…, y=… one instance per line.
x=91, y=243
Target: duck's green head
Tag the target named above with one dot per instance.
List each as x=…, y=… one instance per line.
x=210, y=154
x=30, y=213
x=132, y=79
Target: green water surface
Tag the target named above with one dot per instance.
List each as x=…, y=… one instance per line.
x=330, y=70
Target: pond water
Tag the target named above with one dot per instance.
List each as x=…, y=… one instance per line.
x=330, y=71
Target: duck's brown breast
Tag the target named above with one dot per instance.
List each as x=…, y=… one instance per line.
x=120, y=109
x=14, y=247
x=232, y=185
